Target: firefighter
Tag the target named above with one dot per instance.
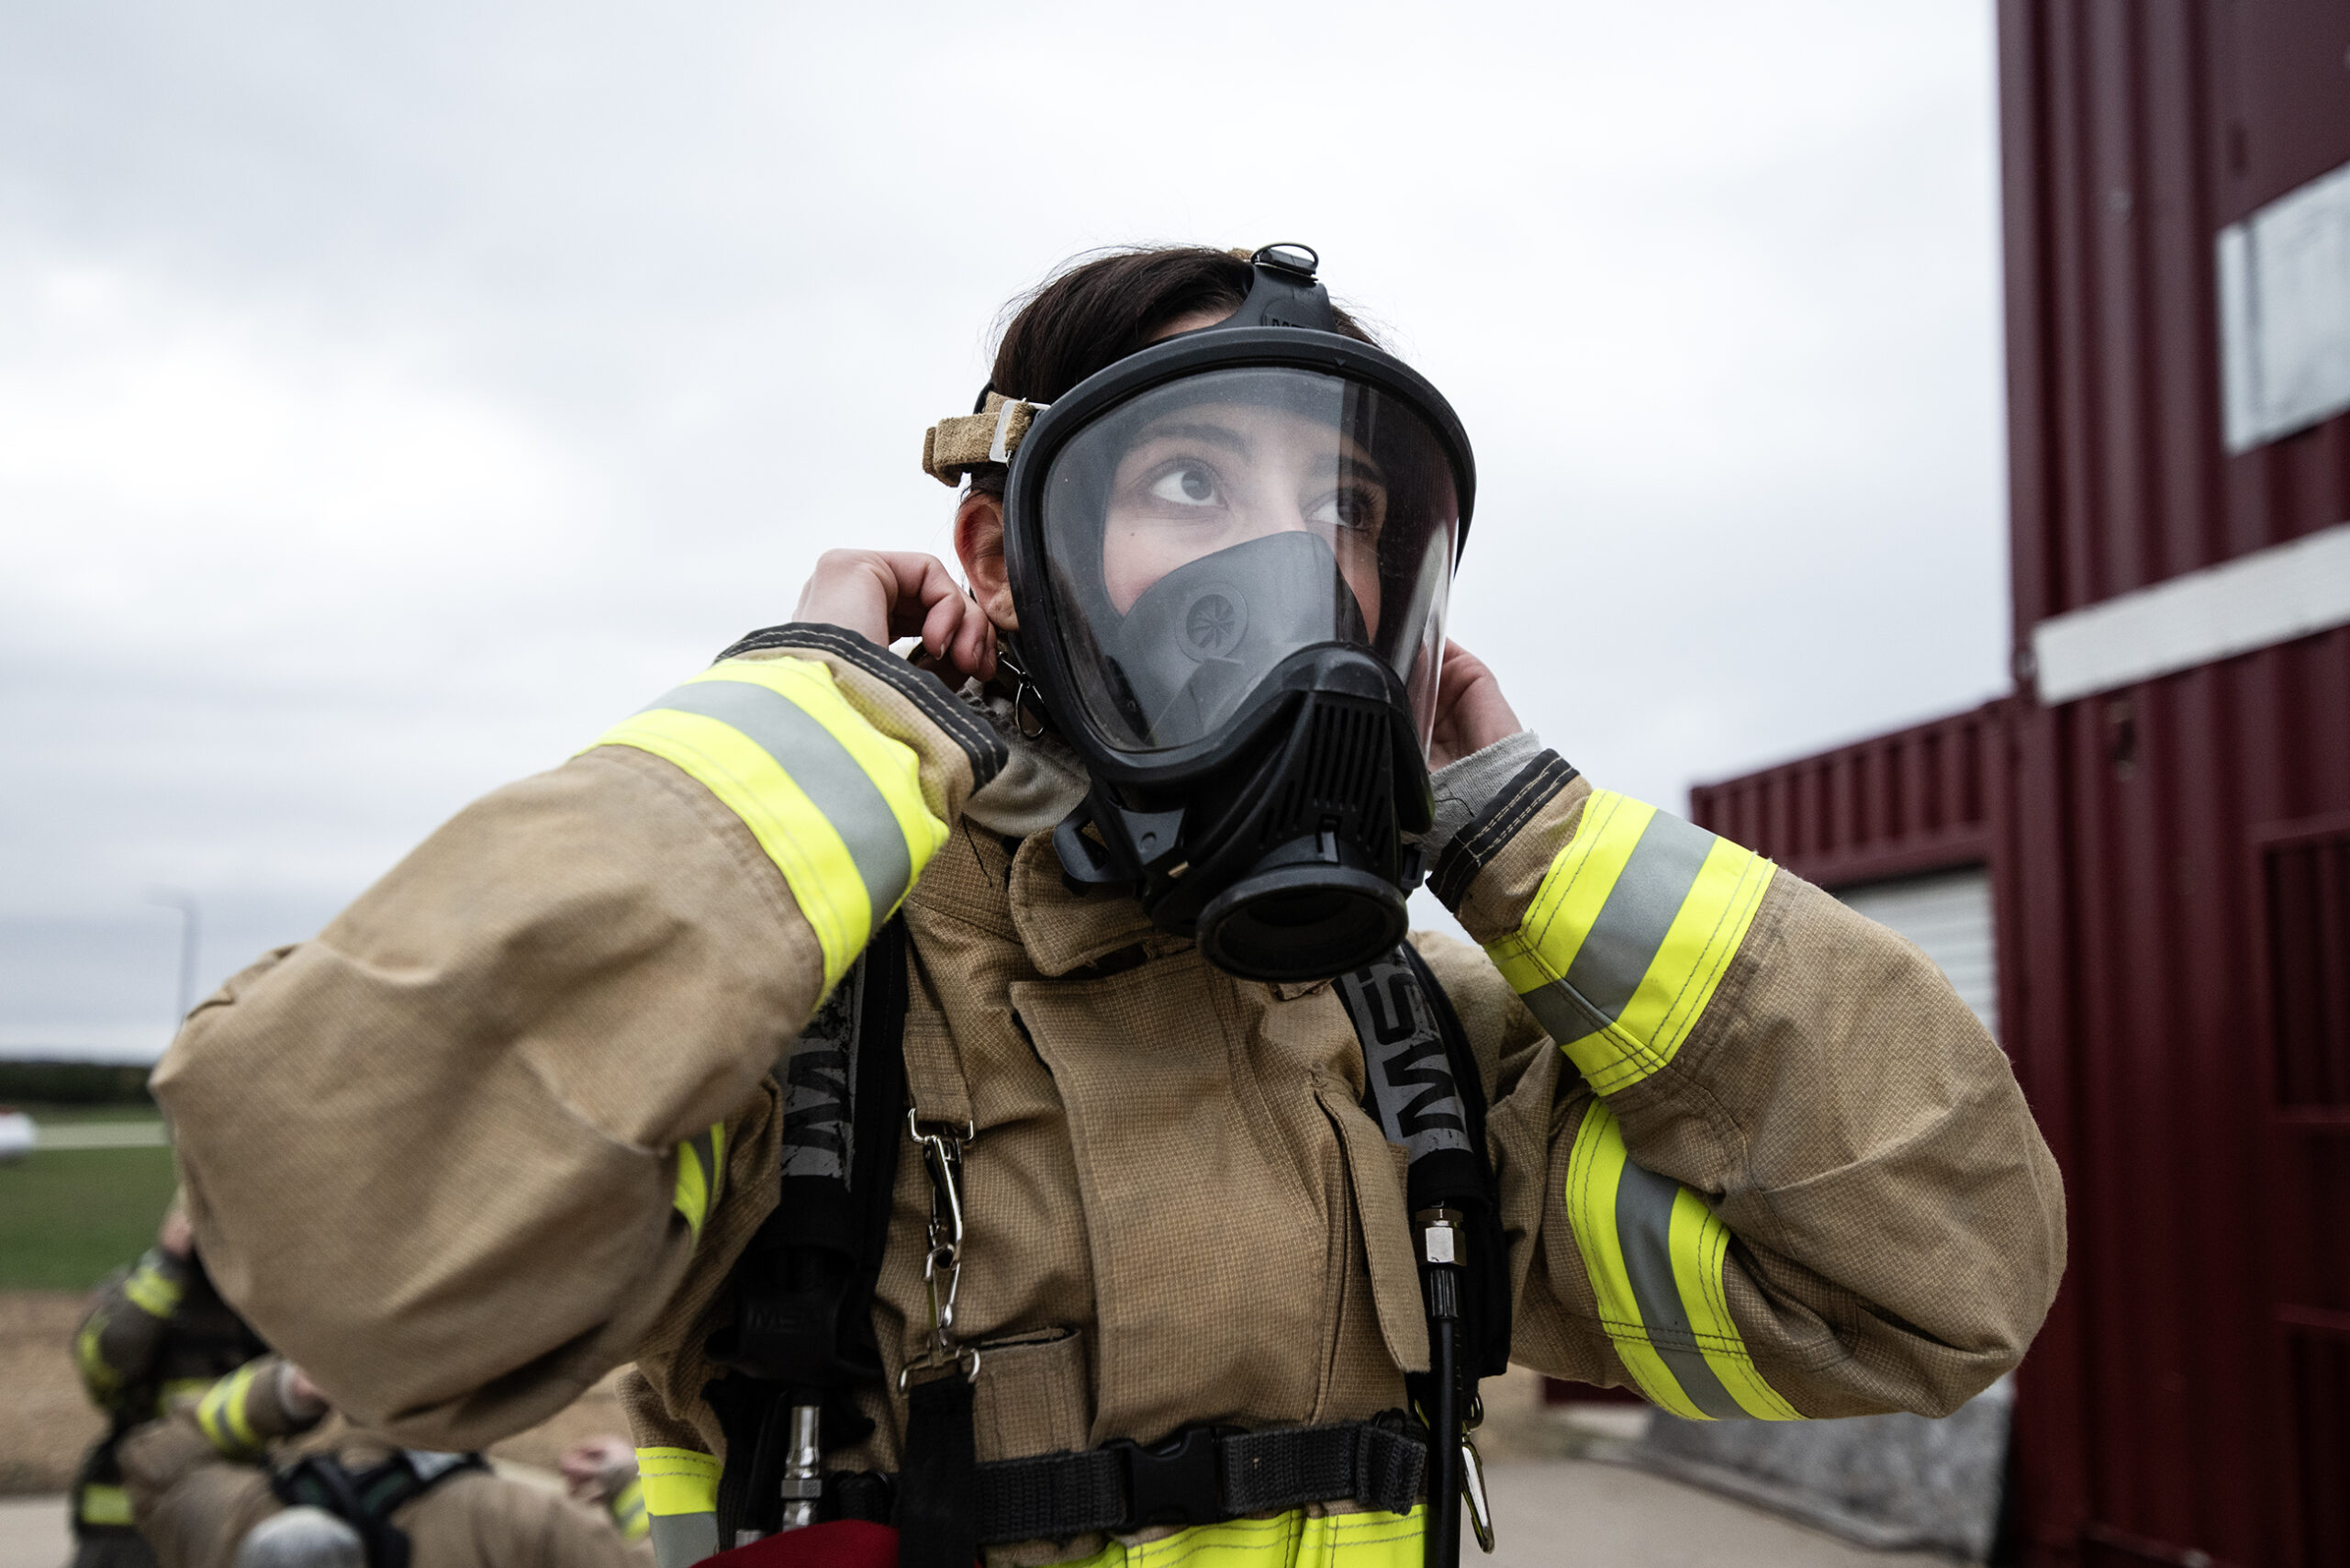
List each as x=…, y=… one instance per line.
x=154, y=1330
x=947, y=1079
x=215, y=1483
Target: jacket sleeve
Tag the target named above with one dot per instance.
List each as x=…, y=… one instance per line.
x=115, y=1342
x=455, y=1155
x=1757, y=1159
x=192, y=1504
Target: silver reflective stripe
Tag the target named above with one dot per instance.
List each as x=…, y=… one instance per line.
x=1562, y=1014
x=1644, y=1231
x=824, y=772
x=1640, y=909
x=682, y=1539
x=1623, y=942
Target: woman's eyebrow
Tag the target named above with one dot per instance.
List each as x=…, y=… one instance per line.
x=1353, y=458
x=1213, y=435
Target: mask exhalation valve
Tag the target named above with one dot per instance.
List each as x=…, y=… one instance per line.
x=1289, y=864
x=1301, y=923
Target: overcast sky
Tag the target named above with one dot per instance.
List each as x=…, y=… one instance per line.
x=391, y=397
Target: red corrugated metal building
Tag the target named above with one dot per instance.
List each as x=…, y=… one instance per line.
x=2161, y=817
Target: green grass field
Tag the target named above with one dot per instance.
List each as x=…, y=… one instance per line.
x=67, y=1216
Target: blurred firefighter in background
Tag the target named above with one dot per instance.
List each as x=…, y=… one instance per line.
x=155, y=1330
x=231, y=1480
x=193, y=1462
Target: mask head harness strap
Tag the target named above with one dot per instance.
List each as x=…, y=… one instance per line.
x=953, y=447
x=1283, y=292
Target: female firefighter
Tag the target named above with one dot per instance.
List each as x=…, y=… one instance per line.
x=992, y=1095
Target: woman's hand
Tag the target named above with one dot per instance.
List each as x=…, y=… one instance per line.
x=883, y=595
x=1470, y=712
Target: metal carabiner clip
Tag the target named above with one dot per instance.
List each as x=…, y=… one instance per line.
x=941, y=1266
x=942, y=1156
x=1023, y=689
x=1473, y=1492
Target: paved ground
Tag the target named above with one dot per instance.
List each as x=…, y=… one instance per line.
x=32, y=1532
x=1551, y=1514
x=46, y=1421
x=1579, y=1514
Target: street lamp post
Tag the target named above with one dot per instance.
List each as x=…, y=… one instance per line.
x=191, y=934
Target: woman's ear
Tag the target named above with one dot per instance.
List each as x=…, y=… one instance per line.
x=978, y=540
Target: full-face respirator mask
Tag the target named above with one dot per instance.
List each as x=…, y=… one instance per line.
x=1230, y=551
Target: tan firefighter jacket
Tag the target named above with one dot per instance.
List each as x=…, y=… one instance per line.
x=506, y=1123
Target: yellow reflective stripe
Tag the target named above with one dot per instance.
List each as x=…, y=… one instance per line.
x=836, y=806
x=1594, y=1171
x=1705, y=937
x=678, y=1481
x=89, y=1355
x=1628, y=937
x=814, y=861
x=628, y=1512
x=152, y=1292
x=894, y=768
x=1656, y=1253
x=103, y=1503
x=1368, y=1540
x=1700, y=1253
x=1567, y=905
x=692, y=1198
x=701, y=1168
x=221, y=1414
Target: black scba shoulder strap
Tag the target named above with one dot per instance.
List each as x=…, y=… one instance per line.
x=1424, y=1087
x=1426, y=1091
x=366, y=1498
x=803, y=1294
x=803, y=1334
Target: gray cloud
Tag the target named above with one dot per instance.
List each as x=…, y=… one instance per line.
x=389, y=400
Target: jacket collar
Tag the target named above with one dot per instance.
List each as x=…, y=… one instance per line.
x=1065, y=931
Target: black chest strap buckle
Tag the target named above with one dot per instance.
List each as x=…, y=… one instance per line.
x=1177, y=1481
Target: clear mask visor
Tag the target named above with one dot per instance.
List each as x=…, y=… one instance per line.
x=1200, y=534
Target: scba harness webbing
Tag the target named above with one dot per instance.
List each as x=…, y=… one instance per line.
x=801, y=1342
x=366, y=1498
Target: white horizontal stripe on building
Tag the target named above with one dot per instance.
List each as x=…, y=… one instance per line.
x=2270, y=596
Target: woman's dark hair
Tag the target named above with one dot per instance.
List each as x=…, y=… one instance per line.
x=1091, y=315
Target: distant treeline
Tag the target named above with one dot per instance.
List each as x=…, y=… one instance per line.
x=73, y=1083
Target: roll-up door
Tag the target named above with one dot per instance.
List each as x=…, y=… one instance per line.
x=1947, y=913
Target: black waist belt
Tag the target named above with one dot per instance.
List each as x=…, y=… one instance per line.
x=1200, y=1476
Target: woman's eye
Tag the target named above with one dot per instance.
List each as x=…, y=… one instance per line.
x=1187, y=486
x=1351, y=509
